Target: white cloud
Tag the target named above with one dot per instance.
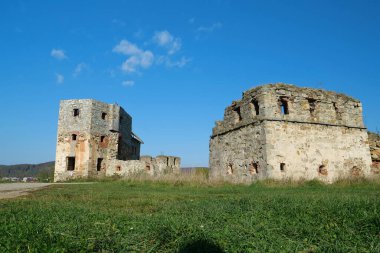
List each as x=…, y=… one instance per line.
x=59, y=78
x=210, y=28
x=137, y=57
x=127, y=48
x=168, y=41
x=169, y=63
x=79, y=68
x=58, y=54
x=128, y=83
x=191, y=20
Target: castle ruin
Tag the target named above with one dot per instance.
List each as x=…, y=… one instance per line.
x=95, y=139
x=280, y=131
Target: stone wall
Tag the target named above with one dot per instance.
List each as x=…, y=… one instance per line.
x=282, y=131
x=154, y=166
x=98, y=138
x=92, y=133
x=374, y=144
x=312, y=151
x=239, y=155
x=162, y=165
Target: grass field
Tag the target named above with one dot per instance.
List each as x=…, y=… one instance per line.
x=126, y=216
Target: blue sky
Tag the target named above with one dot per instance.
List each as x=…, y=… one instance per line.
x=174, y=65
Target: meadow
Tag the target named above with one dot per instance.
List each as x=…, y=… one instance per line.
x=180, y=216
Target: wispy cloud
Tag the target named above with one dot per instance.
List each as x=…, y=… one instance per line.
x=79, y=69
x=191, y=20
x=58, y=54
x=128, y=83
x=168, y=41
x=138, y=58
x=59, y=78
x=210, y=28
x=165, y=60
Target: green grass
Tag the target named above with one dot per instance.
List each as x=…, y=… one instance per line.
x=126, y=216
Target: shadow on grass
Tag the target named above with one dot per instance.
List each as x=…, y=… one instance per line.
x=201, y=246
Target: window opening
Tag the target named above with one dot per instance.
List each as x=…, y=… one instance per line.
x=237, y=114
x=99, y=164
x=70, y=163
x=230, y=170
x=322, y=170
x=74, y=137
x=256, y=107
x=76, y=112
x=284, y=106
x=312, y=105
x=253, y=168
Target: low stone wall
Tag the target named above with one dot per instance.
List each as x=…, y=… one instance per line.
x=125, y=168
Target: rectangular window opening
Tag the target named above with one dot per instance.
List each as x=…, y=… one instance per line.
x=256, y=107
x=76, y=112
x=74, y=137
x=99, y=164
x=284, y=106
x=253, y=168
x=282, y=166
x=312, y=105
x=237, y=114
x=104, y=115
x=102, y=138
x=70, y=163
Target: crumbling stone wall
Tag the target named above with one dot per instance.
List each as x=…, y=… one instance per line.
x=91, y=133
x=282, y=131
x=95, y=140
x=161, y=165
x=374, y=144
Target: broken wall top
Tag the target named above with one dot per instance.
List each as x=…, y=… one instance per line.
x=93, y=116
x=284, y=102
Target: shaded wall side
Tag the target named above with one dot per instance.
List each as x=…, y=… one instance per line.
x=239, y=154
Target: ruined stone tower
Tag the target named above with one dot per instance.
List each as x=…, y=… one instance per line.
x=280, y=131
x=95, y=139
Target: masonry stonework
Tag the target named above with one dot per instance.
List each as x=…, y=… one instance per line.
x=374, y=144
x=95, y=139
x=280, y=131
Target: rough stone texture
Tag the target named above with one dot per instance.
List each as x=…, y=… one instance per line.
x=99, y=139
x=374, y=144
x=281, y=131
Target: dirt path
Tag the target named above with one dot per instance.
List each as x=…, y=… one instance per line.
x=13, y=190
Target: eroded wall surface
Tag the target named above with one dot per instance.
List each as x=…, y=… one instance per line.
x=312, y=151
x=92, y=133
x=290, y=133
x=374, y=143
x=98, y=140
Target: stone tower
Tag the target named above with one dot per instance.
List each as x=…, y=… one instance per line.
x=280, y=131
x=91, y=135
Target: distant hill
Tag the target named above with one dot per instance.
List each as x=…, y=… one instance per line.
x=43, y=170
